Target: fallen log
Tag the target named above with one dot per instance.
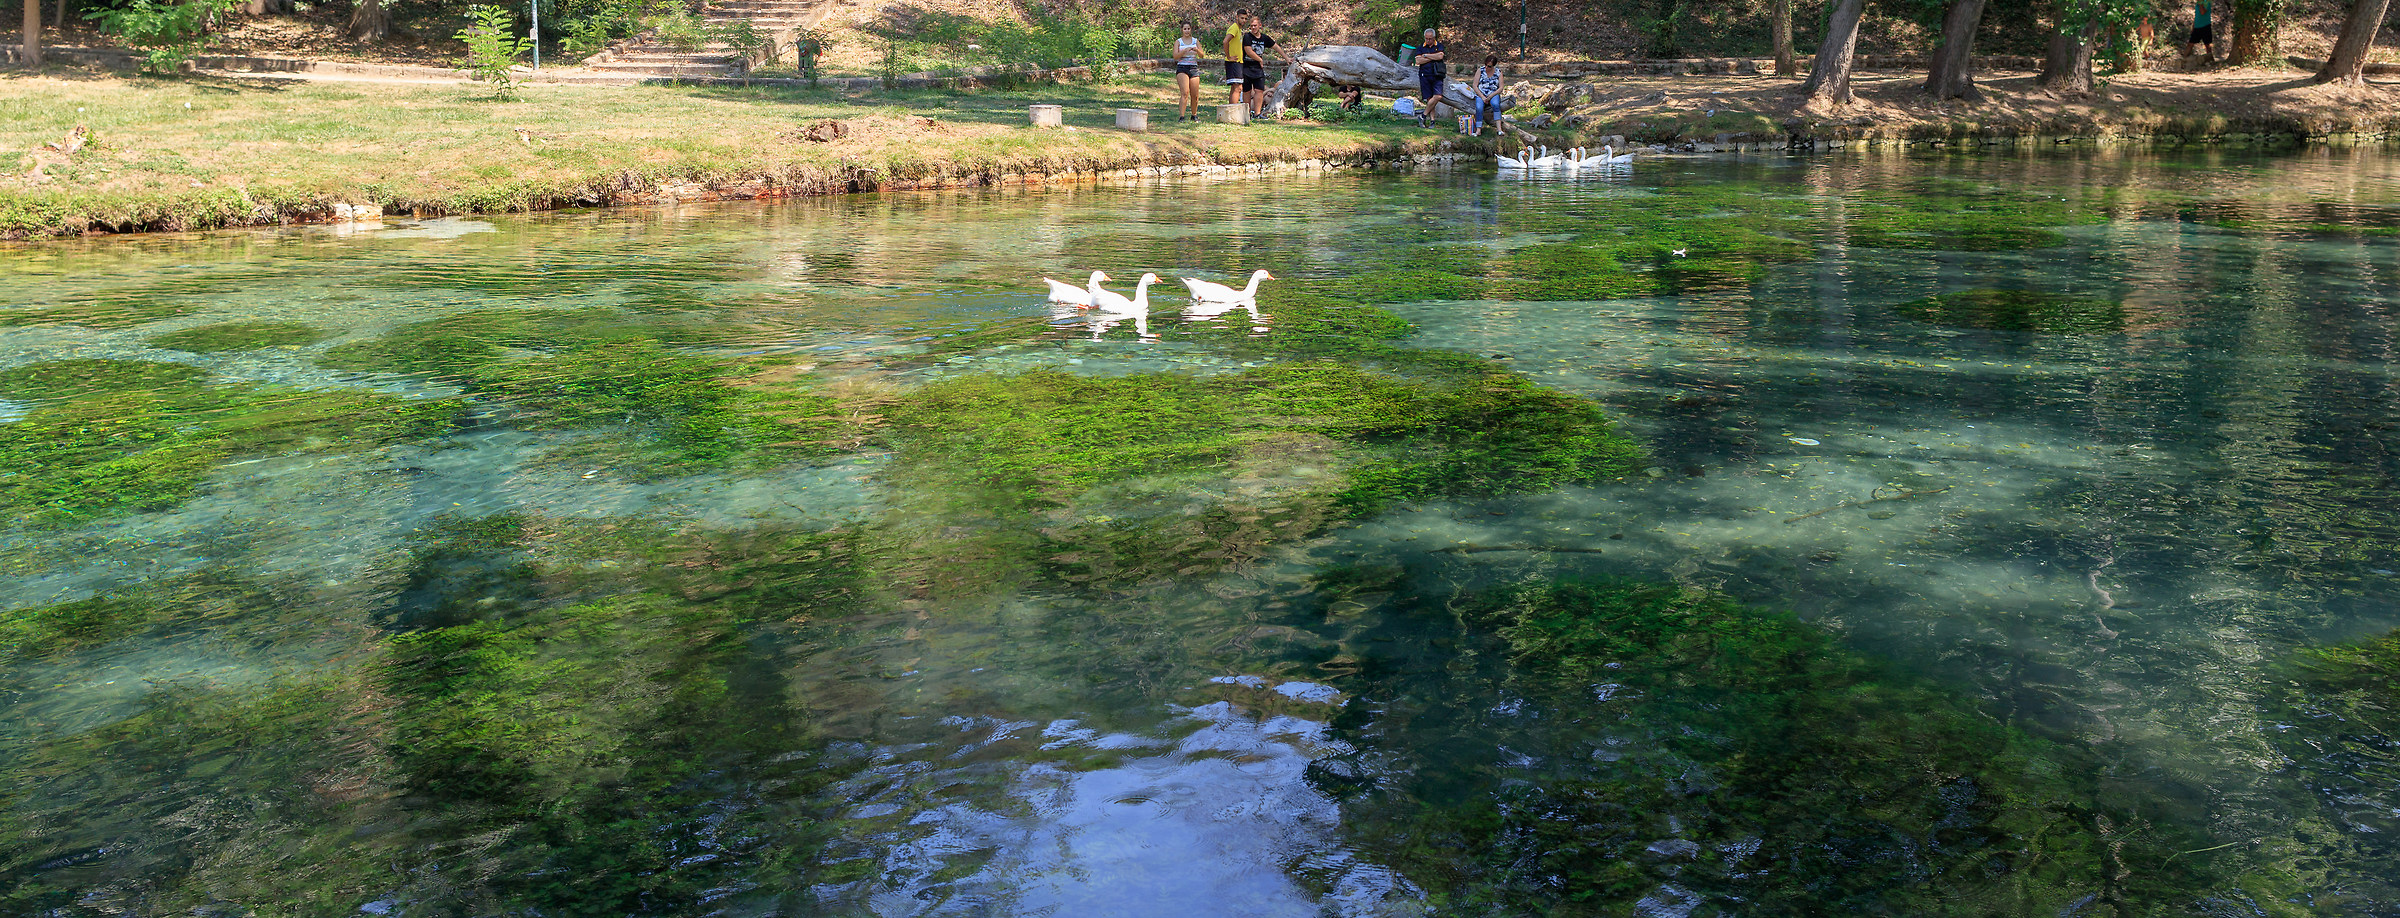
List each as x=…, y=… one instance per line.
x=1353, y=65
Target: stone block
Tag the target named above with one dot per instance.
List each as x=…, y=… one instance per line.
x=1133, y=119
x=1049, y=116
x=1233, y=114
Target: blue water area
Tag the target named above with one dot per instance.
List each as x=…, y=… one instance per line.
x=1893, y=534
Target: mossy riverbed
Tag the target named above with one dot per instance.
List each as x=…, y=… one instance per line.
x=1031, y=553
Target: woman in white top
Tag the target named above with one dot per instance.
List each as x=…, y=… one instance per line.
x=1187, y=73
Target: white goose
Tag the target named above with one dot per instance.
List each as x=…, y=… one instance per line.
x=1073, y=295
x=1211, y=292
x=1610, y=157
x=1116, y=304
x=1550, y=160
x=1524, y=155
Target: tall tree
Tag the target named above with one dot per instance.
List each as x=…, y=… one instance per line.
x=370, y=21
x=33, y=33
x=2067, y=63
x=2255, y=26
x=1828, y=82
x=1953, y=75
x=1785, y=64
x=2348, y=62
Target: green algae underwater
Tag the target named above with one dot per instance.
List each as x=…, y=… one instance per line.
x=546, y=711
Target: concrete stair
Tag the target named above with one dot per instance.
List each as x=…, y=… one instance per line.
x=774, y=20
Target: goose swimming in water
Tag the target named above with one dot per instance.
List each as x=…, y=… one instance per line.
x=1212, y=292
x=1073, y=295
x=1114, y=303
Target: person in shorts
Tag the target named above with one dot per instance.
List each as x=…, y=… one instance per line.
x=1187, y=75
x=1430, y=74
x=2204, y=33
x=1256, y=46
x=1234, y=51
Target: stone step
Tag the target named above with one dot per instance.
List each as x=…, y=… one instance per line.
x=649, y=56
x=666, y=69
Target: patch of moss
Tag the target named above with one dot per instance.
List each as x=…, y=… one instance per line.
x=2364, y=676
x=1748, y=758
x=458, y=345
x=54, y=379
x=2019, y=311
x=595, y=368
x=1955, y=220
x=240, y=336
x=103, y=312
x=42, y=631
x=1031, y=440
x=263, y=761
x=1400, y=286
x=114, y=436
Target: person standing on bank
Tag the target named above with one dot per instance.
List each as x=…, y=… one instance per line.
x=1430, y=74
x=1254, y=63
x=1233, y=57
x=1187, y=74
x=2204, y=33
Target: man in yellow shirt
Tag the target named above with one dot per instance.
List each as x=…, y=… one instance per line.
x=1234, y=47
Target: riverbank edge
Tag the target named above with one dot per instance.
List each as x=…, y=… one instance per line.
x=232, y=208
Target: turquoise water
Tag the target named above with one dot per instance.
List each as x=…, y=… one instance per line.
x=561, y=654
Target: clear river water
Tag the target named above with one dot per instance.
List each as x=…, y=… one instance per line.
x=800, y=559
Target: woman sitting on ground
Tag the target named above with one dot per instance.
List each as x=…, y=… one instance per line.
x=1487, y=94
x=1351, y=96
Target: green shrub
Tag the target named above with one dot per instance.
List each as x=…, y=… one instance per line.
x=492, y=48
x=168, y=33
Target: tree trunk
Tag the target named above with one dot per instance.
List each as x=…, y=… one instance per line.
x=33, y=33
x=2348, y=62
x=58, y=17
x=1785, y=65
x=1829, y=75
x=2255, y=24
x=2067, y=65
x=1350, y=65
x=370, y=22
x=1953, y=75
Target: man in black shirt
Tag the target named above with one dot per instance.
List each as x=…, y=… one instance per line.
x=1430, y=75
x=1254, y=63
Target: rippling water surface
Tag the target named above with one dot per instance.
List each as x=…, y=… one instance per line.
x=613, y=562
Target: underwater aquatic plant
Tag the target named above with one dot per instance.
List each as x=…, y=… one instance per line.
x=1741, y=756
x=109, y=436
x=2018, y=310
x=240, y=336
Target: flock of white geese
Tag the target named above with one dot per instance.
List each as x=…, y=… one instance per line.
x=1209, y=299
x=1540, y=159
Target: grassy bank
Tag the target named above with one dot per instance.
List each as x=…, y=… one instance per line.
x=204, y=152
x=194, y=153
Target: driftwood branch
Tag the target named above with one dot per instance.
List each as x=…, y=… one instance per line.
x=1353, y=65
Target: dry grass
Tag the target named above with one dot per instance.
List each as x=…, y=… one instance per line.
x=1890, y=105
x=202, y=149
